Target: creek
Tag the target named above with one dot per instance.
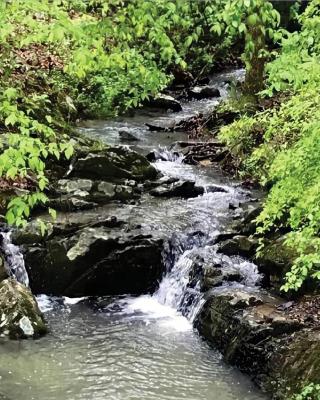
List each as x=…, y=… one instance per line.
x=142, y=348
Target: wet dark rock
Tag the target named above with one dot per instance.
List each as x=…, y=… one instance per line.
x=192, y=125
x=106, y=191
x=30, y=234
x=165, y=102
x=253, y=334
x=234, y=205
x=186, y=190
x=19, y=312
x=250, y=214
x=212, y=270
x=70, y=203
x=158, y=128
x=223, y=236
x=156, y=155
x=3, y=269
x=196, y=271
x=220, y=117
x=296, y=361
x=211, y=277
x=85, y=194
x=204, y=153
x=66, y=224
x=216, y=189
x=95, y=261
x=75, y=186
x=205, y=80
x=182, y=78
x=113, y=164
x=216, y=276
x=239, y=245
x=203, y=92
x=127, y=136
x=165, y=180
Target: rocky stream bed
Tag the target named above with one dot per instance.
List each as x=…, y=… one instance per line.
x=151, y=248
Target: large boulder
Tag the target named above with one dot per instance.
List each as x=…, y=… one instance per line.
x=96, y=261
x=20, y=316
x=253, y=332
x=113, y=164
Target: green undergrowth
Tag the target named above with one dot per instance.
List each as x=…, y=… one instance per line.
x=280, y=147
x=60, y=60
x=65, y=59
x=309, y=392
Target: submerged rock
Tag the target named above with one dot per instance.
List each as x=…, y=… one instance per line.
x=20, y=316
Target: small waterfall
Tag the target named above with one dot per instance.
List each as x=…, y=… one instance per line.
x=14, y=259
x=162, y=153
x=175, y=290
x=180, y=288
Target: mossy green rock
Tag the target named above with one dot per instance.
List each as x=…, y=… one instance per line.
x=20, y=317
x=275, y=260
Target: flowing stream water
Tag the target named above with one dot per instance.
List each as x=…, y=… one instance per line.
x=138, y=348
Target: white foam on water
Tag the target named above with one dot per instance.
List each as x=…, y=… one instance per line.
x=48, y=303
x=45, y=303
x=73, y=300
x=152, y=311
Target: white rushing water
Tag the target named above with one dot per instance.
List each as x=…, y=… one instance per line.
x=176, y=302
x=14, y=259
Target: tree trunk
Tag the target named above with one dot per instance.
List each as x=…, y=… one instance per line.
x=254, y=80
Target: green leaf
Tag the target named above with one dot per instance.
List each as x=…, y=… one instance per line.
x=10, y=217
x=53, y=213
x=49, y=119
x=68, y=152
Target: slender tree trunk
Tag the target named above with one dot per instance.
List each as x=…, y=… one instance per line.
x=254, y=80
